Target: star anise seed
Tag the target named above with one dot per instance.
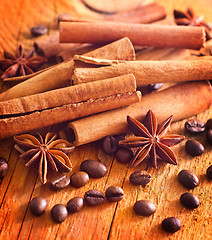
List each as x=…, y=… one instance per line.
x=188, y=18
x=20, y=64
x=49, y=152
x=151, y=139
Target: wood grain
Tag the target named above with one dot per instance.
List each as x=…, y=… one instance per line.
x=109, y=220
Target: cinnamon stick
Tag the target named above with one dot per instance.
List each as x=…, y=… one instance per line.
x=37, y=111
x=139, y=34
x=147, y=72
x=60, y=75
x=181, y=101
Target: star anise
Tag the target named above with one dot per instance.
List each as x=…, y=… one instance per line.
x=188, y=18
x=20, y=64
x=150, y=139
x=49, y=152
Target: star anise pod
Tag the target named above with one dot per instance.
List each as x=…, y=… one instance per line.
x=188, y=18
x=20, y=64
x=49, y=152
x=150, y=139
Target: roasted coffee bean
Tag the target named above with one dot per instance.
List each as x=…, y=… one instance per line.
x=140, y=178
x=114, y=193
x=3, y=167
x=189, y=200
x=109, y=144
x=188, y=179
x=93, y=168
x=79, y=179
x=209, y=172
x=171, y=224
x=124, y=155
x=38, y=205
x=209, y=136
x=194, y=148
x=94, y=197
x=38, y=30
x=208, y=124
x=75, y=204
x=194, y=126
x=153, y=87
x=59, y=213
x=144, y=208
x=60, y=183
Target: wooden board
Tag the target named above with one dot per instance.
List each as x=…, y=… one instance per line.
x=109, y=220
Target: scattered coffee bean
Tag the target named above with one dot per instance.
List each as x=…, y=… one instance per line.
x=171, y=224
x=153, y=87
x=144, y=208
x=194, y=126
x=93, y=168
x=124, y=155
x=75, y=204
x=60, y=183
x=114, y=194
x=109, y=144
x=94, y=197
x=3, y=167
x=79, y=179
x=38, y=30
x=140, y=178
x=59, y=213
x=189, y=200
x=209, y=136
x=194, y=148
x=188, y=179
x=208, y=124
x=209, y=172
x=38, y=205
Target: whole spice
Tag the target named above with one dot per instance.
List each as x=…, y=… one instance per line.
x=150, y=139
x=189, y=18
x=49, y=152
x=20, y=64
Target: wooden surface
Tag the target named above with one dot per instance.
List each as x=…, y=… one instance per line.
x=109, y=220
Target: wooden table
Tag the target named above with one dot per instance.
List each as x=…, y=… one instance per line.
x=109, y=220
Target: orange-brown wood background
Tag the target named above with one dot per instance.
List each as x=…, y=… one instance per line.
x=109, y=220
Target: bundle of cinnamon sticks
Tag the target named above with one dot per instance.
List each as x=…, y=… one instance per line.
x=105, y=78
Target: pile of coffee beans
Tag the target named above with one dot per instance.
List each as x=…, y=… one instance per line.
x=195, y=127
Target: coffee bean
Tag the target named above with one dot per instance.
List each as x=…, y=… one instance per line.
x=94, y=197
x=38, y=30
x=144, y=208
x=60, y=183
x=188, y=179
x=59, y=213
x=209, y=172
x=75, y=204
x=189, y=200
x=109, y=144
x=38, y=205
x=114, y=193
x=208, y=124
x=194, y=126
x=171, y=224
x=194, y=148
x=209, y=136
x=3, y=167
x=79, y=179
x=153, y=87
x=140, y=178
x=93, y=168
x=124, y=155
